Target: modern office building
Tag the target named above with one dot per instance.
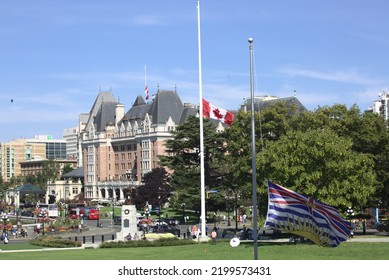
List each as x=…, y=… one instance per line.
x=381, y=106
x=261, y=102
x=20, y=150
x=36, y=166
x=70, y=135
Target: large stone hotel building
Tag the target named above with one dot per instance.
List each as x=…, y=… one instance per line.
x=119, y=147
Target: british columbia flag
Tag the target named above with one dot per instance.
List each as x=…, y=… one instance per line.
x=289, y=211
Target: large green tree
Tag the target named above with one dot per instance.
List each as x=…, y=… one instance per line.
x=368, y=133
x=321, y=164
x=183, y=159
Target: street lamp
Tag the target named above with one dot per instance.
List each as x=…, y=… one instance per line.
x=98, y=217
x=159, y=210
x=42, y=214
x=228, y=209
x=113, y=210
x=183, y=212
x=350, y=214
x=5, y=218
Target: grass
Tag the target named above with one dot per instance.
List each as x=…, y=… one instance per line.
x=18, y=246
x=221, y=251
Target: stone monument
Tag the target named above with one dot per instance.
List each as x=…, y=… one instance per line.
x=129, y=223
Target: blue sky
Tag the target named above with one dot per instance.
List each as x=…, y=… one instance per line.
x=56, y=55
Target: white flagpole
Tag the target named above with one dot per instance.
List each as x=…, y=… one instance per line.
x=145, y=77
x=202, y=176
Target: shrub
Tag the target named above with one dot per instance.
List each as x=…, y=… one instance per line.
x=55, y=241
x=145, y=243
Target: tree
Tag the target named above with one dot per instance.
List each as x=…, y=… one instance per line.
x=321, y=164
x=184, y=160
x=155, y=191
x=67, y=168
x=368, y=133
x=270, y=124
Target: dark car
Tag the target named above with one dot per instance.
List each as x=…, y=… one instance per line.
x=117, y=220
x=383, y=226
x=27, y=213
x=229, y=233
x=165, y=229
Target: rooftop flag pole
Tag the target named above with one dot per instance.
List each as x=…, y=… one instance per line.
x=253, y=156
x=146, y=87
x=202, y=176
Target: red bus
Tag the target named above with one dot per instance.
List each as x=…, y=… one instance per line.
x=76, y=210
x=91, y=213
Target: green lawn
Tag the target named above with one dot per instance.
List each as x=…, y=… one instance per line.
x=220, y=251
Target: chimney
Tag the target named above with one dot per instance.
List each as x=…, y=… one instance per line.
x=119, y=113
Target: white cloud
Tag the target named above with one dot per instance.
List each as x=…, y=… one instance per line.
x=350, y=76
x=148, y=20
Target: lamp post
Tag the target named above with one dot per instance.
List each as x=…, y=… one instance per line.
x=350, y=214
x=42, y=214
x=113, y=210
x=98, y=217
x=5, y=219
x=228, y=215
x=159, y=209
x=183, y=212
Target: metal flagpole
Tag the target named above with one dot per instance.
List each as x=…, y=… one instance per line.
x=253, y=156
x=145, y=77
x=202, y=176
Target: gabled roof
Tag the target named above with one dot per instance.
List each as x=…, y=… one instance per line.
x=104, y=96
x=188, y=111
x=289, y=102
x=137, y=111
x=139, y=101
x=28, y=189
x=166, y=104
x=105, y=115
x=76, y=174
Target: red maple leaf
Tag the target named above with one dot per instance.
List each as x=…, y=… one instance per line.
x=217, y=113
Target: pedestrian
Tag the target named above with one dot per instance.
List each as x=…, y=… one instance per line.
x=194, y=231
x=129, y=237
x=214, y=236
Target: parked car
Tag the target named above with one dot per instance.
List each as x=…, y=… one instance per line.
x=229, y=233
x=117, y=220
x=164, y=229
x=383, y=226
x=160, y=222
x=171, y=222
x=27, y=213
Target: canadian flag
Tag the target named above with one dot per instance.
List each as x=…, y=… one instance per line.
x=213, y=112
x=147, y=92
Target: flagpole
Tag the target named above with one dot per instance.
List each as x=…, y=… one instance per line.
x=202, y=176
x=145, y=77
x=253, y=155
